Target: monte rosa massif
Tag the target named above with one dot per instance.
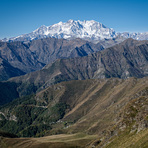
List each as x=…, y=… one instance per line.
x=88, y=30
x=74, y=84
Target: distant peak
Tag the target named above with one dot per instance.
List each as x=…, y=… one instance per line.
x=93, y=21
x=129, y=40
x=85, y=29
x=70, y=21
x=43, y=26
x=84, y=21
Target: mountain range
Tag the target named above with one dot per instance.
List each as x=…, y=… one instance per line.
x=124, y=60
x=34, y=55
x=88, y=30
x=31, y=52
x=86, y=86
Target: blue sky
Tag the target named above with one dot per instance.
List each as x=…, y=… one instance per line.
x=23, y=16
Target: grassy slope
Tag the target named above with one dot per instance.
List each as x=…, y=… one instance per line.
x=99, y=106
x=132, y=131
x=130, y=140
x=131, y=128
x=94, y=106
x=55, y=141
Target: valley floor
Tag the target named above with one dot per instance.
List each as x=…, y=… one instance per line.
x=54, y=141
x=78, y=140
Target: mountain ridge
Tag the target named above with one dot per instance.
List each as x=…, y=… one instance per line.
x=34, y=55
x=88, y=30
x=103, y=107
x=121, y=61
x=101, y=104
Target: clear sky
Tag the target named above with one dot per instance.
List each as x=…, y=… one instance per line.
x=23, y=16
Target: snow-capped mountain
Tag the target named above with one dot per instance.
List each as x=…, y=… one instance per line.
x=90, y=30
x=136, y=36
x=71, y=29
